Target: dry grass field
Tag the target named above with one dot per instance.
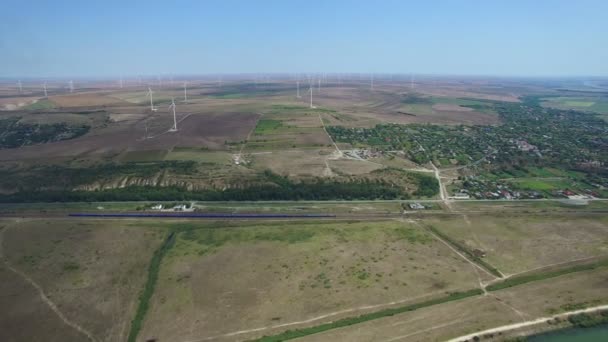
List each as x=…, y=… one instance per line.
x=450, y=320
x=13, y=103
x=241, y=280
x=296, y=162
x=91, y=272
x=25, y=316
x=217, y=281
x=85, y=100
x=518, y=243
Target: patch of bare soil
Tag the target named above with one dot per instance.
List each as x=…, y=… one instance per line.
x=85, y=100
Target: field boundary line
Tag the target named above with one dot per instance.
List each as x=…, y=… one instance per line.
x=244, y=144
x=41, y=293
x=455, y=250
x=149, y=286
x=460, y=320
x=540, y=276
x=360, y=308
x=329, y=136
x=540, y=268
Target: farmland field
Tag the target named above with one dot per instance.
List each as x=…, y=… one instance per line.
x=593, y=104
x=518, y=243
x=475, y=314
x=295, y=272
x=91, y=272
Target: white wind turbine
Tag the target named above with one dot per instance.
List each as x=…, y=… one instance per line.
x=172, y=106
x=185, y=92
x=44, y=87
x=71, y=85
x=298, y=90
x=311, y=91
x=121, y=82
x=150, y=92
x=20, y=87
x=372, y=81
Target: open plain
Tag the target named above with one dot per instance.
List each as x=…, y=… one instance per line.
x=427, y=230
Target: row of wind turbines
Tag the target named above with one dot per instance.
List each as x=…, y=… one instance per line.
x=311, y=87
x=172, y=106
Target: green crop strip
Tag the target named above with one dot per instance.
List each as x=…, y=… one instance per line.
x=467, y=252
x=146, y=295
x=291, y=334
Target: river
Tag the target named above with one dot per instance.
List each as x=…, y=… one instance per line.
x=593, y=334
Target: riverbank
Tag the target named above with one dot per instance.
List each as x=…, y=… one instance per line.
x=582, y=318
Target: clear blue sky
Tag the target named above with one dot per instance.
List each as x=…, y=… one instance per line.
x=493, y=37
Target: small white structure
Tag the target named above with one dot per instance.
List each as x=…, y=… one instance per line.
x=183, y=207
x=461, y=195
x=416, y=206
x=157, y=207
x=180, y=207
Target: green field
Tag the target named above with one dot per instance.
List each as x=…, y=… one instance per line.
x=420, y=105
x=143, y=156
x=267, y=125
x=591, y=104
x=41, y=105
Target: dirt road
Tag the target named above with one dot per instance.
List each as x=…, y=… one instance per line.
x=529, y=323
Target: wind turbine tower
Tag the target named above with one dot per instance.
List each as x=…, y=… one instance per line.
x=372, y=82
x=298, y=90
x=172, y=106
x=185, y=91
x=412, y=81
x=319, y=88
x=120, y=82
x=20, y=87
x=311, y=105
x=151, y=100
x=71, y=84
x=44, y=87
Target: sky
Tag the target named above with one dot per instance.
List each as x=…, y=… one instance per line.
x=109, y=38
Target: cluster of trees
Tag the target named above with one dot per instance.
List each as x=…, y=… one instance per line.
x=33, y=185
x=16, y=134
x=427, y=185
x=285, y=190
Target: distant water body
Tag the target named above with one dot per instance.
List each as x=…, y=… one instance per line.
x=593, y=334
